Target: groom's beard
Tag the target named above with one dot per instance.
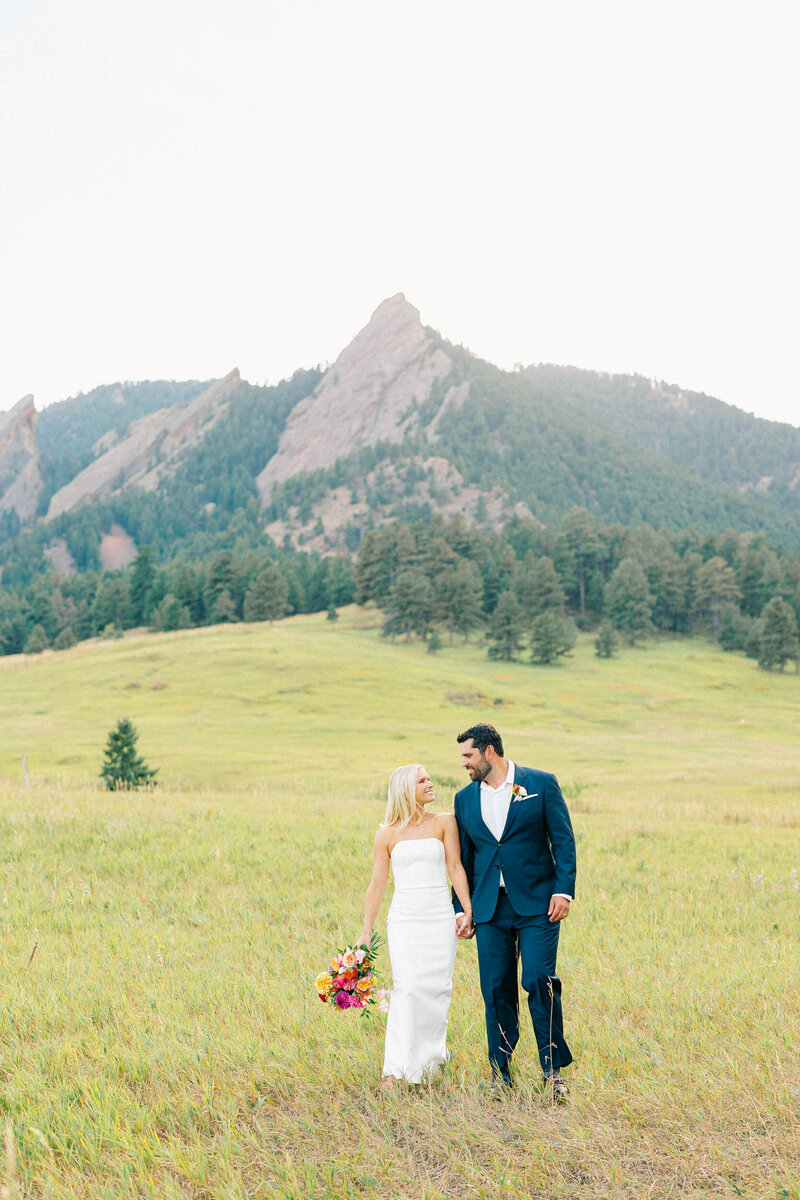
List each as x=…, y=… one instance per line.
x=479, y=773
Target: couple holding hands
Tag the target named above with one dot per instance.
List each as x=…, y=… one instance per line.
x=510, y=854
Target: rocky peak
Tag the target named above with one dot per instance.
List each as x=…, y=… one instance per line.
x=370, y=394
x=149, y=449
x=20, y=480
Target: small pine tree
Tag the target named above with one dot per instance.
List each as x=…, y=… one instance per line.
x=333, y=614
x=434, y=641
x=778, y=641
x=551, y=636
x=734, y=628
x=65, y=639
x=223, y=609
x=123, y=768
x=606, y=642
x=37, y=641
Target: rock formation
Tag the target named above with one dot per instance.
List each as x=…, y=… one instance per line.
x=370, y=394
x=148, y=450
x=20, y=480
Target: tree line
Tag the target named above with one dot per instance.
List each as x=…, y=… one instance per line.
x=54, y=610
x=524, y=589
x=529, y=587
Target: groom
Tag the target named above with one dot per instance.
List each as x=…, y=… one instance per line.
x=518, y=851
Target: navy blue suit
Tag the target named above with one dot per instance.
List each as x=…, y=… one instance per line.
x=536, y=854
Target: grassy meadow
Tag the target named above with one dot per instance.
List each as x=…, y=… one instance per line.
x=159, y=1031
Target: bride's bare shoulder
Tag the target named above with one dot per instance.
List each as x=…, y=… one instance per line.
x=384, y=836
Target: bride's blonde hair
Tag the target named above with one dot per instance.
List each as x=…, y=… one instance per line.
x=402, y=804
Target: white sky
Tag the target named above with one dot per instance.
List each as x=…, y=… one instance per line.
x=192, y=185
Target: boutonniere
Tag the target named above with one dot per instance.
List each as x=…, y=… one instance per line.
x=518, y=793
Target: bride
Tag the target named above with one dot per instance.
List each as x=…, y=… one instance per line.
x=423, y=849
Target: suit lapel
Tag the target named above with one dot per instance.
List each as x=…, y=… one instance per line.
x=512, y=808
x=478, y=815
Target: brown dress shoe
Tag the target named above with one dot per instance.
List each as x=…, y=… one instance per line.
x=560, y=1089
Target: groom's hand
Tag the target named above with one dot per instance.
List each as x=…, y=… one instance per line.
x=559, y=908
x=464, y=926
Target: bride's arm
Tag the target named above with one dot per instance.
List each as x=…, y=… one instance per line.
x=455, y=869
x=377, y=885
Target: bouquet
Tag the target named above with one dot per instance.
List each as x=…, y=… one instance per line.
x=350, y=982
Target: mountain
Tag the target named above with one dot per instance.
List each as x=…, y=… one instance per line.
x=537, y=441
x=372, y=393
x=67, y=431
x=20, y=477
x=403, y=425
x=148, y=449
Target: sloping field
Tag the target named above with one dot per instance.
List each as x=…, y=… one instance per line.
x=159, y=1032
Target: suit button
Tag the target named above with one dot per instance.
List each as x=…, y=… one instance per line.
x=496, y=868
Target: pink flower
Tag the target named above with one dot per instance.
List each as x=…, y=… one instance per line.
x=356, y=1002
x=342, y=1000
x=360, y=956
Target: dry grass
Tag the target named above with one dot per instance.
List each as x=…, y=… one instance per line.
x=164, y=1040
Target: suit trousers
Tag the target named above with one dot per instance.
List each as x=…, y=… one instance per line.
x=501, y=943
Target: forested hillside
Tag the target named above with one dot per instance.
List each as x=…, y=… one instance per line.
x=542, y=443
x=67, y=431
x=714, y=440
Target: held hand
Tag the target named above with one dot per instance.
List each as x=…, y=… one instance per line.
x=559, y=909
x=464, y=927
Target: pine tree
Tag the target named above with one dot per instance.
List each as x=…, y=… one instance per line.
x=411, y=604
x=714, y=586
x=458, y=596
x=540, y=588
x=734, y=628
x=142, y=578
x=551, y=636
x=777, y=635
x=628, y=602
x=606, y=642
x=434, y=642
x=583, y=542
x=223, y=610
x=267, y=598
x=123, y=768
x=37, y=641
x=506, y=627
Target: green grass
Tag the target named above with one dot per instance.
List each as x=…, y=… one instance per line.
x=164, y=1039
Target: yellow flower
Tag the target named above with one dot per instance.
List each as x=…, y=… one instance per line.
x=365, y=985
x=323, y=983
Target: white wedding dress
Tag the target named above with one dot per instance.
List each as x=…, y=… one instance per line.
x=422, y=949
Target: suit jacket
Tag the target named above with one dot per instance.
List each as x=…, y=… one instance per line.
x=536, y=851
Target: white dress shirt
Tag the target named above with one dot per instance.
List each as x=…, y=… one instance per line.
x=495, y=803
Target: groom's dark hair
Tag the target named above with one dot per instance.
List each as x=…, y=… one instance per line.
x=482, y=736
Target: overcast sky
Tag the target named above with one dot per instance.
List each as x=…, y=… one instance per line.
x=193, y=185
